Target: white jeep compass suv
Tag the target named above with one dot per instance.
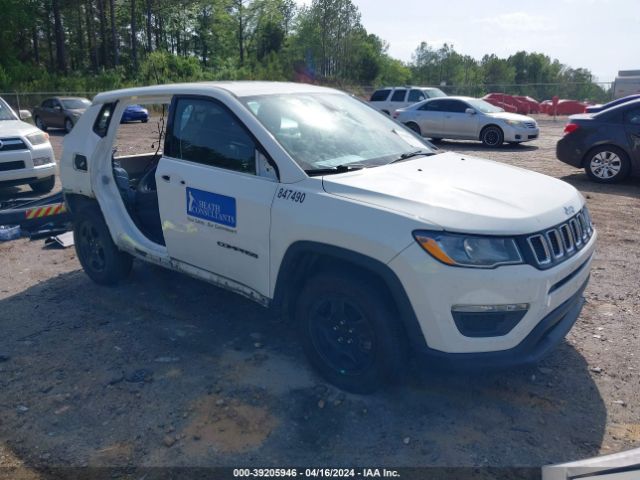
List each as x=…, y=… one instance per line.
x=26, y=155
x=306, y=199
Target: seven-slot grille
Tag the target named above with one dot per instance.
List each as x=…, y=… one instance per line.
x=530, y=124
x=556, y=244
x=7, y=144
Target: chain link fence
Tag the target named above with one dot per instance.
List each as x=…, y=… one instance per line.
x=539, y=91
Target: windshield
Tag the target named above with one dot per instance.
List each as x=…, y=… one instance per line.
x=75, y=103
x=482, y=106
x=5, y=112
x=327, y=130
x=434, y=93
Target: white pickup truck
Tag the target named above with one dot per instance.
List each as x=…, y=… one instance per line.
x=306, y=199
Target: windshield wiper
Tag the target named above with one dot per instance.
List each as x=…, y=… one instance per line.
x=347, y=167
x=408, y=155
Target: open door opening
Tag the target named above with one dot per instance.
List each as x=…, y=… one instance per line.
x=136, y=153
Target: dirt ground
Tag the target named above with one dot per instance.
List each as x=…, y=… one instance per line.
x=164, y=370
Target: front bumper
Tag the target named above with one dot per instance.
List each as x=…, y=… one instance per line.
x=434, y=288
x=543, y=338
x=16, y=167
x=519, y=134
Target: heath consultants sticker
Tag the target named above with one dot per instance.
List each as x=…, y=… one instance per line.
x=212, y=207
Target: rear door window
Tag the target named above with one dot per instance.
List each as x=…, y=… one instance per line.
x=433, y=106
x=380, y=95
x=453, y=106
x=398, y=95
x=103, y=120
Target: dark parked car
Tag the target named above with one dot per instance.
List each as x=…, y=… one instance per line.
x=613, y=103
x=135, y=113
x=60, y=112
x=606, y=145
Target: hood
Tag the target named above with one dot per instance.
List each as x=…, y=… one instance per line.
x=15, y=128
x=511, y=116
x=462, y=194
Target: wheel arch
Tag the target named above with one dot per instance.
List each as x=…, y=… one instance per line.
x=487, y=126
x=76, y=202
x=604, y=143
x=303, y=258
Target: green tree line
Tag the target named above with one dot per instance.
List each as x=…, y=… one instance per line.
x=93, y=45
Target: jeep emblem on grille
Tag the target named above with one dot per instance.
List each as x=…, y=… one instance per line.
x=569, y=210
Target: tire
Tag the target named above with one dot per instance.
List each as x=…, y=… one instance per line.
x=40, y=124
x=415, y=127
x=145, y=120
x=44, y=186
x=607, y=164
x=349, y=332
x=68, y=125
x=98, y=255
x=492, y=136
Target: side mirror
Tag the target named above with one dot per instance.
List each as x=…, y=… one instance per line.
x=24, y=114
x=470, y=111
x=58, y=108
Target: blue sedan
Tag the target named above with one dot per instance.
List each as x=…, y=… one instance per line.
x=135, y=113
x=613, y=103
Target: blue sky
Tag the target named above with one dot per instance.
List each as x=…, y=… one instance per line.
x=601, y=35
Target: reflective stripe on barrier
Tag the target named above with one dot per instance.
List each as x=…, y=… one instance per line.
x=45, y=211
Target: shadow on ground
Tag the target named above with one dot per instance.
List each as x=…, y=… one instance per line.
x=164, y=370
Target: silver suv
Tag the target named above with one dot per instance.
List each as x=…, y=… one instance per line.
x=389, y=99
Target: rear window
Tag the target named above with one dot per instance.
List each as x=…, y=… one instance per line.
x=380, y=95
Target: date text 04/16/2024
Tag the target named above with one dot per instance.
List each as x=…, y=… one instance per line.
x=315, y=473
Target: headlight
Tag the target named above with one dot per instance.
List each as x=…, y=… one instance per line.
x=38, y=138
x=515, y=123
x=469, y=250
x=38, y=162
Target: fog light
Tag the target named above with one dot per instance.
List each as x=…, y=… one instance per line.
x=488, y=320
x=37, y=162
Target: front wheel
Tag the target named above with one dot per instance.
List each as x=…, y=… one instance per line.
x=68, y=125
x=607, y=164
x=349, y=332
x=98, y=255
x=44, y=186
x=492, y=136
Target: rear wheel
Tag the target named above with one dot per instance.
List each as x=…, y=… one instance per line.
x=349, y=332
x=415, y=127
x=492, y=136
x=98, y=255
x=607, y=164
x=44, y=186
x=40, y=124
